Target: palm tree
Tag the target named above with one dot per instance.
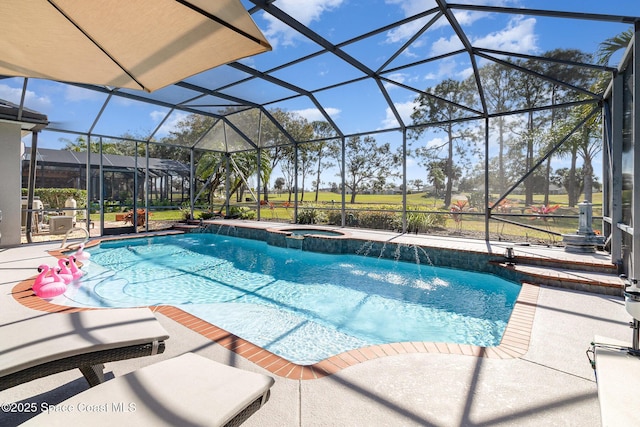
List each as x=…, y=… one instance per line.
x=607, y=48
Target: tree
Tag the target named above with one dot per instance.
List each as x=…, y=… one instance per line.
x=418, y=184
x=367, y=163
x=441, y=106
x=584, y=143
x=324, y=131
x=436, y=175
x=300, y=130
x=607, y=48
x=577, y=76
x=279, y=184
x=497, y=83
x=571, y=180
x=307, y=160
x=279, y=144
x=210, y=173
x=532, y=92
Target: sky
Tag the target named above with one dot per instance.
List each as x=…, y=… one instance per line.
x=359, y=107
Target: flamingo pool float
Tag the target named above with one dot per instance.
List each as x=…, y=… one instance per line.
x=52, y=288
x=65, y=274
x=42, y=278
x=81, y=255
x=75, y=271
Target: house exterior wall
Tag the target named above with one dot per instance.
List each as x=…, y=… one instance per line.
x=10, y=134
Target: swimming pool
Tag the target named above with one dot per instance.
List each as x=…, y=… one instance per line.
x=302, y=306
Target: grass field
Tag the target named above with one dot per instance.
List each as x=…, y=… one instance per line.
x=472, y=223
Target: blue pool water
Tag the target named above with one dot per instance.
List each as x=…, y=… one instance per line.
x=303, y=306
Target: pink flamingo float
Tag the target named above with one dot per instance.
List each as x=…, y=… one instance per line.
x=42, y=278
x=75, y=271
x=81, y=255
x=48, y=286
x=63, y=271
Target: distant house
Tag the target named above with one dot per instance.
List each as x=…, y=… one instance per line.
x=68, y=169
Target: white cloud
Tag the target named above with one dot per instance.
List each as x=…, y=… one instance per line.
x=396, y=77
x=414, y=7
x=435, y=142
x=77, y=94
x=404, y=110
x=32, y=101
x=170, y=124
x=305, y=12
x=465, y=73
x=447, y=68
x=313, y=114
x=444, y=45
x=518, y=37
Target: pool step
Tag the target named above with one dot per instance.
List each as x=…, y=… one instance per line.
x=569, y=277
x=587, y=264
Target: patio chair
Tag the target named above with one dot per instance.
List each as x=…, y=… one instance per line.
x=188, y=390
x=55, y=342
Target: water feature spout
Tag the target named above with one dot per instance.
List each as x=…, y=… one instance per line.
x=294, y=241
x=365, y=248
x=509, y=256
x=585, y=239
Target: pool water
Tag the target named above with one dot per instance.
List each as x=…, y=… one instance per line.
x=303, y=306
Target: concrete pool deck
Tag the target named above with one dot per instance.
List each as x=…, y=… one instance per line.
x=551, y=384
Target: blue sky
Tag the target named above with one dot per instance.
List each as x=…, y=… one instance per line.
x=354, y=109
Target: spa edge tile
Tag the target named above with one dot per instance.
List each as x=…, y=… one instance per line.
x=308, y=373
x=442, y=347
x=358, y=355
x=419, y=345
x=368, y=353
x=431, y=347
x=276, y=364
x=348, y=358
x=336, y=360
x=388, y=349
x=295, y=373
x=326, y=367
x=409, y=347
x=377, y=350
x=454, y=348
x=398, y=347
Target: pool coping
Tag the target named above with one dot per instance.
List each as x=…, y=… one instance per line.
x=514, y=343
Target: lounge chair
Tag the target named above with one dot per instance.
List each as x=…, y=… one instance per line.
x=55, y=342
x=188, y=390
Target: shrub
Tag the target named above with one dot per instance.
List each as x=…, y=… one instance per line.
x=380, y=220
x=185, y=211
x=312, y=215
x=241, y=212
x=420, y=222
x=334, y=217
x=476, y=200
x=207, y=215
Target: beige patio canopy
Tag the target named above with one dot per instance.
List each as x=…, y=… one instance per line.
x=137, y=44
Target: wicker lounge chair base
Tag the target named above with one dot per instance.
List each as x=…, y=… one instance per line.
x=57, y=342
x=188, y=390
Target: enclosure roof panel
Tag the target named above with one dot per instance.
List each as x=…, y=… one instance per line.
x=361, y=67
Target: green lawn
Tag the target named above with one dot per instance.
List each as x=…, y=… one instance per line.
x=473, y=224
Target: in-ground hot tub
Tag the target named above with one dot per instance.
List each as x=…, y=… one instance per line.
x=308, y=238
x=312, y=232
